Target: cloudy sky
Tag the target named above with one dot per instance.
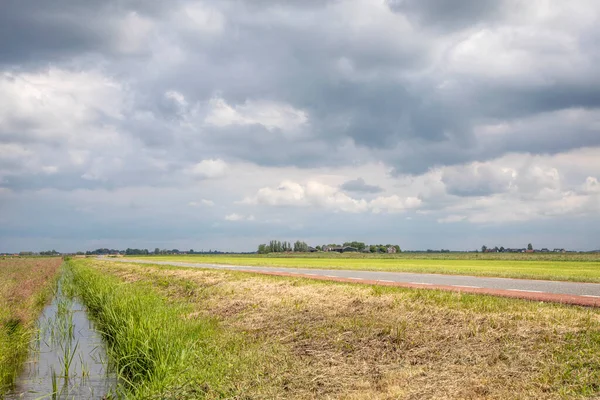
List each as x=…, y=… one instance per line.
x=223, y=124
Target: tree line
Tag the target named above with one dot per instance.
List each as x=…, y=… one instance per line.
x=502, y=249
x=277, y=246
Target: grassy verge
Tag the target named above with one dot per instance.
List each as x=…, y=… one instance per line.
x=578, y=268
x=25, y=287
x=161, y=349
x=332, y=340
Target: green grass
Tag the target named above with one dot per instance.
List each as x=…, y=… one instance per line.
x=565, y=267
x=190, y=333
x=157, y=351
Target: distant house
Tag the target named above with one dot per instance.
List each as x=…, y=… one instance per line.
x=311, y=249
x=391, y=250
x=340, y=249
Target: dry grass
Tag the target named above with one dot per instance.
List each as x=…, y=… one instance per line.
x=334, y=340
x=24, y=289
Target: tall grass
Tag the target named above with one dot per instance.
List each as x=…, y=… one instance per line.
x=158, y=353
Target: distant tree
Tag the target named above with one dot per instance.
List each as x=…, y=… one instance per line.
x=157, y=251
x=529, y=247
x=319, y=248
x=483, y=248
x=373, y=248
x=502, y=249
x=300, y=246
x=360, y=246
x=263, y=249
x=398, y=250
x=191, y=251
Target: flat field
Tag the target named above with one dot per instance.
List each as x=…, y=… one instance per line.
x=193, y=333
x=563, y=267
x=25, y=287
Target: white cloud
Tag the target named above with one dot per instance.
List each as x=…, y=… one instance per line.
x=202, y=202
x=50, y=169
x=61, y=110
x=208, y=169
x=239, y=217
x=591, y=185
x=393, y=204
x=134, y=33
x=201, y=18
x=451, y=218
x=316, y=194
x=271, y=115
x=57, y=104
x=176, y=97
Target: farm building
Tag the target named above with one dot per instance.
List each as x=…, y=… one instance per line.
x=340, y=249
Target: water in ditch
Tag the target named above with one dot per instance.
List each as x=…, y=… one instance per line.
x=67, y=359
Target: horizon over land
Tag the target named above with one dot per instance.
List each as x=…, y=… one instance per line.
x=357, y=199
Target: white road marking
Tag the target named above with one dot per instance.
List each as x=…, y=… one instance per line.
x=332, y=276
x=523, y=290
x=590, y=295
x=420, y=283
x=311, y=274
x=467, y=286
x=383, y=280
x=358, y=279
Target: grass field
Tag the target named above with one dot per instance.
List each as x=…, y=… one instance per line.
x=25, y=287
x=567, y=267
x=189, y=333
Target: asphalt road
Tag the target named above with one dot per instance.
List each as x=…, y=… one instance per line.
x=589, y=290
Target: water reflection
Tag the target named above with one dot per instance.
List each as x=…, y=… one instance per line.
x=67, y=358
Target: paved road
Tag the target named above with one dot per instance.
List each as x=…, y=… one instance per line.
x=589, y=290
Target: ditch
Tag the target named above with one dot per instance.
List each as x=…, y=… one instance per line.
x=67, y=357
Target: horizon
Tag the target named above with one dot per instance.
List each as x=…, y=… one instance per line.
x=205, y=251
x=223, y=124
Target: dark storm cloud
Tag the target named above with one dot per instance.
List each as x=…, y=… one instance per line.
x=38, y=32
x=389, y=112
x=41, y=31
x=368, y=84
x=481, y=181
x=447, y=14
x=360, y=186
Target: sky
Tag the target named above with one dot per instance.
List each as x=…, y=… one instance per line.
x=224, y=124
